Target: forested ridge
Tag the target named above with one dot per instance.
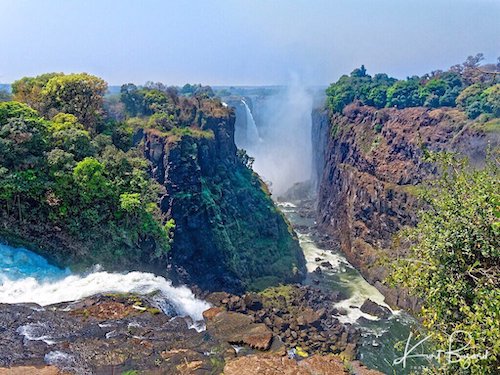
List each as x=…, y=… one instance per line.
x=70, y=166
x=469, y=86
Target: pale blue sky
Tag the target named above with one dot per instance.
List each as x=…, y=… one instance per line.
x=242, y=42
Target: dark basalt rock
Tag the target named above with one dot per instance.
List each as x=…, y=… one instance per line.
x=366, y=178
x=107, y=334
x=220, y=207
x=300, y=316
x=373, y=308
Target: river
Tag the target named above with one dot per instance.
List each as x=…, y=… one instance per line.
x=378, y=336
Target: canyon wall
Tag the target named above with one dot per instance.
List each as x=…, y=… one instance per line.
x=228, y=233
x=369, y=164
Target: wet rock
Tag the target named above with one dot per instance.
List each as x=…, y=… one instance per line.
x=372, y=308
x=326, y=265
x=89, y=337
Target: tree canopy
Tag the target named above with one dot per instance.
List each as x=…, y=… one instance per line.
x=465, y=86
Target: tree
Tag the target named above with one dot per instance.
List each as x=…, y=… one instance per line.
x=491, y=100
x=132, y=99
x=77, y=94
x=130, y=202
x=89, y=176
x=404, y=94
x=28, y=89
x=22, y=135
x=453, y=264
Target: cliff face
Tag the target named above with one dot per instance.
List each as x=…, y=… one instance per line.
x=372, y=162
x=228, y=233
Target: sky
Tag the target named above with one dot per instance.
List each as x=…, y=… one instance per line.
x=238, y=42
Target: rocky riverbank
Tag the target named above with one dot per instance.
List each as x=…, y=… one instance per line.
x=290, y=330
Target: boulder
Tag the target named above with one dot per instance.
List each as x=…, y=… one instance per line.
x=327, y=264
x=373, y=308
x=236, y=328
x=253, y=301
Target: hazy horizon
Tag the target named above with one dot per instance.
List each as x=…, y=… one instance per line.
x=244, y=43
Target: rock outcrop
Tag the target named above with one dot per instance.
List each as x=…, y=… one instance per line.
x=299, y=316
x=228, y=233
x=371, y=166
x=120, y=333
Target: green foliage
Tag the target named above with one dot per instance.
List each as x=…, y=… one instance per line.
x=404, y=94
x=28, y=90
x=463, y=85
x=55, y=173
x=454, y=258
x=130, y=202
x=78, y=94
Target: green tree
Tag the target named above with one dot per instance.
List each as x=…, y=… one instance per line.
x=491, y=100
x=133, y=99
x=130, y=202
x=28, y=89
x=89, y=176
x=77, y=94
x=453, y=263
x=404, y=94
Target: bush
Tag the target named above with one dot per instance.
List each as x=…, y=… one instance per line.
x=453, y=264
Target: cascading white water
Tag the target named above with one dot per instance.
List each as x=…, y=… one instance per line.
x=252, y=132
x=27, y=277
x=281, y=144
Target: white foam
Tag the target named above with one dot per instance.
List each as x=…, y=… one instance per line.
x=360, y=289
x=35, y=332
x=75, y=287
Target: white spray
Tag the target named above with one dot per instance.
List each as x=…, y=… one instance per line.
x=74, y=287
x=283, y=154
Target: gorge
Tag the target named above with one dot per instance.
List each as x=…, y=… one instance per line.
x=197, y=234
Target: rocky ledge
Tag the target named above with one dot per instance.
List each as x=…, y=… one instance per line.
x=116, y=334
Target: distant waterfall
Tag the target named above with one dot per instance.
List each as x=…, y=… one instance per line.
x=252, y=133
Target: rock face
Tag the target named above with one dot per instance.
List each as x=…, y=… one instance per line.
x=371, y=164
x=228, y=233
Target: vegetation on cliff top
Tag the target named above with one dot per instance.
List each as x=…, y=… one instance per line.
x=71, y=174
x=454, y=263
x=78, y=169
x=468, y=86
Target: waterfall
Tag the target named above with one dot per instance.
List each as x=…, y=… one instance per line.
x=252, y=133
x=27, y=277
